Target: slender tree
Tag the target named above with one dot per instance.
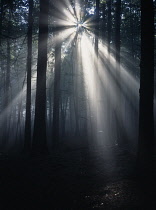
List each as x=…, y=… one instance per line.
x=2, y=78
x=104, y=20
x=27, y=143
x=7, y=80
x=1, y=20
x=132, y=31
x=39, y=135
x=117, y=57
x=97, y=27
x=146, y=121
x=109, y=23
x=76, y=102
x=8, y=62
x=56, y=106
x=96, y=63
x=117, y=33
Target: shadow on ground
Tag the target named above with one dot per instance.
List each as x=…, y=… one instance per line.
x=72, y=178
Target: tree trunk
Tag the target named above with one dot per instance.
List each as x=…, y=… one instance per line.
x=76, y=68
x=104, y=21
x=97, y=28
x=132, y=31
x=2, y=79
x=117, y=33
x=7, y=84
x=117, y=79
x=39, y=135
x=146, y=121
x=1, y=20
x=56, y=108
x=27, y=143
x=8, y=64
x=109, y=24
x=96, y=67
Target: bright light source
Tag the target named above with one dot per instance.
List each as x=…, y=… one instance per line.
x=79, y=25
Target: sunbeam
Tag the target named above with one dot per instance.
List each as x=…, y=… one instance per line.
x=101, y=82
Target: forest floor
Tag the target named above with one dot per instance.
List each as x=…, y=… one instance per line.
x=77, y=177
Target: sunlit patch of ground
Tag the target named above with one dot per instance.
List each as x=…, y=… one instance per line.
x=123, y=194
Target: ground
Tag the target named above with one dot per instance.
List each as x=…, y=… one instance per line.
x=78, y=177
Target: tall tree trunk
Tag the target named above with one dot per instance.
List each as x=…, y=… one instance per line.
x=1, y=19
x=132, y=31
x=7, y=84
x=96, y=66
x=27, y=142
x=8, y=63
x=39, y=135
x=2, y=79
x=56, y=106
x=108, y=42
x=118, y=80
x=109, y=24
x=146, y=121
x=104, y=21
x=97, y=28
x=117, y=33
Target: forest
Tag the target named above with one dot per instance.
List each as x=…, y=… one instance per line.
x=77, y=104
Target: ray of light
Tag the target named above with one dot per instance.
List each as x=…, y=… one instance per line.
x=64, y=15
x=87, y=56
x=62, y=35
x=110, y=87
x=78, y=10
x=68, y=43
x=69, y=7
x=20, y=96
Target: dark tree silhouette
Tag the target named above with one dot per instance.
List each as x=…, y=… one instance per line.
x=56, y=93
x=104, y=20
x=117, y=57
x=117, y=33
x=97, y=27
x=96, y=58
x=2, y=79
x=109, y=24
x=146, y=121
x=7, y=78
x=27, y=143
x=39, y=135
x=1, y=20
